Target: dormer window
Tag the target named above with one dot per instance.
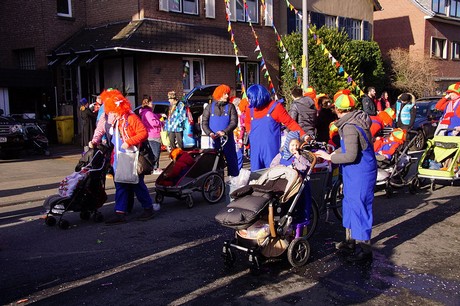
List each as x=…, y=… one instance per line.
x=64, y=8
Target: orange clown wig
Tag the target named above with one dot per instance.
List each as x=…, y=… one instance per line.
x=115, y=102
x=220, y=91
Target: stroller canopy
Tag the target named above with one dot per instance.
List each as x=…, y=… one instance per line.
x=294, y=180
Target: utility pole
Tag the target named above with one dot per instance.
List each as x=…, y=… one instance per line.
x=304, y=43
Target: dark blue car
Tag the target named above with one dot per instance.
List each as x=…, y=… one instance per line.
x=426, y=120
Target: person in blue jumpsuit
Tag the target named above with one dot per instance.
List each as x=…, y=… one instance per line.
x=359, y=170
x=263, y=121
x=221, y=118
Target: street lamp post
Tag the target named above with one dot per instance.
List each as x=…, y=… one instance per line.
x=304, y=43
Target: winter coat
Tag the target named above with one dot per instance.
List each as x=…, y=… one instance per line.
x=304, y=112
x=353, y=139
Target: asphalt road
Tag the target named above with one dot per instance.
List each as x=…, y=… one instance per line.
x=175, y=258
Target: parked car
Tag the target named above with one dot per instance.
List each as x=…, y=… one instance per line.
x=426, y=120
x=11, y=136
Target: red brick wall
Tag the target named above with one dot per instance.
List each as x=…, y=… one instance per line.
x=35, y=24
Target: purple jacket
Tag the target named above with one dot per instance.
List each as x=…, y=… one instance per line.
x=152, y=122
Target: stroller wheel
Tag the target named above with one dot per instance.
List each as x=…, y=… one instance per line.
x=98, y=216
x=159, y=198
x=433, y=185
x=189, y=201
x=414, y=185
x=213, y=188
x=63, y=224
x=50, y=221
x=85, y=215
x=229, y=258
x=298, y=252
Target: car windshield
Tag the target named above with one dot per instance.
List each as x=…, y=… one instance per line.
x=203, y=94
x=422, y=109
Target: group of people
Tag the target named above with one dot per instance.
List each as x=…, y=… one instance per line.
x=257, y=121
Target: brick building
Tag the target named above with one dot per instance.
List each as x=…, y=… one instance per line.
x=65, y=50
x=429, y=29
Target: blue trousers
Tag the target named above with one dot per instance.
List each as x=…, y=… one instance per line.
x=155, y=146
x=122, y=193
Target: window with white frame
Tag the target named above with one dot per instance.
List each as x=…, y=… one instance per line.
x=455, y=50
x=66, y=84
x=438, y=6
x=454, y=9
x=192, y=73
x=26, y=59
x=439, y=48
x=251, y=75
x=331, y=21
x=180, y=6
x=64, y=8
x=242, y=13
x=351, y=26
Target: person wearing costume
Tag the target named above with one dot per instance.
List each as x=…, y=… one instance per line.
x=385, y=147
x=131, y=132
x=263, y=121
x=182, y=162
x=450, y=105
x=326, y=115
x=239, y=132
x=175, y=124
x=359, y=170
x=220, y=118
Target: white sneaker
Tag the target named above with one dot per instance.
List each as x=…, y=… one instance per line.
x=157, y=171
x=156, y=206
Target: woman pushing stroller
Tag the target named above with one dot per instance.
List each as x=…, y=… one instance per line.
x=359, y=169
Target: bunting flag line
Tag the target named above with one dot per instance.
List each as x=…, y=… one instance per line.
x=260, y=56
x=235, y=48
x=281, y=45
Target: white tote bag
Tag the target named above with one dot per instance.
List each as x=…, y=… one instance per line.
x=126, y=163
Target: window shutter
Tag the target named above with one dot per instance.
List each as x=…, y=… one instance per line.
x=232, y=5
x=164, y=5
x=210, y=8
x=269, y=13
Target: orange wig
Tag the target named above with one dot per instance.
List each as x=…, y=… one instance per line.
x=115, y=102
x=220, y=91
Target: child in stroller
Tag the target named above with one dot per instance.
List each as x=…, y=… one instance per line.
x=263, y=216
x=83, y=191
x=394, y=161
x=197, y=170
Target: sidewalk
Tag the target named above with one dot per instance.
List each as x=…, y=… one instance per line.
x=33, y=178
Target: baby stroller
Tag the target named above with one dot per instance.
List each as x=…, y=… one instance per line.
x=441, y=160
x=392, y=173
x=263, y=217
x=205, y=175
x=83, y=191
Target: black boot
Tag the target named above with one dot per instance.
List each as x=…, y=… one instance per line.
x=362, y=253
x=347, y=246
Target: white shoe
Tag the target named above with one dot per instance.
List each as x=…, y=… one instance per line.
x=157, y=171
x=156, y=206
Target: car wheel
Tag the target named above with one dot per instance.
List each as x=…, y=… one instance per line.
x=419, y=141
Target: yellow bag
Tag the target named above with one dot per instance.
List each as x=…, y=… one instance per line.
x=164, y=138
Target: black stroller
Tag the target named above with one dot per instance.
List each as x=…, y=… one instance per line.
x=205, y=175
x=394, y=173
x=263, y=217
x=83, y=191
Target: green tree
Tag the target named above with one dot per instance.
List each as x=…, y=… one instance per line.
x=361, y=60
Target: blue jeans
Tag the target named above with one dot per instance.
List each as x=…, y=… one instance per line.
x=122, y=193
x=155, y=146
